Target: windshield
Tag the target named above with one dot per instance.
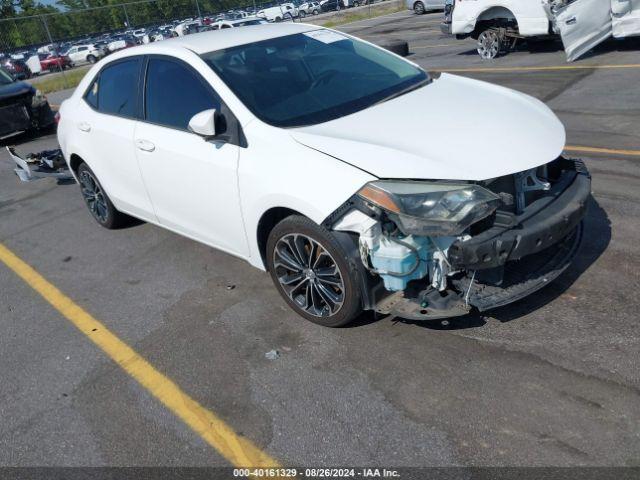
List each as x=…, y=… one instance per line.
x=312, y=77
x=5, y=78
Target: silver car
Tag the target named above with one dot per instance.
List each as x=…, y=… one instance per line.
x=423, y=6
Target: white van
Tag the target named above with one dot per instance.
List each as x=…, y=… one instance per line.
x=498, y=24
x=286, y=11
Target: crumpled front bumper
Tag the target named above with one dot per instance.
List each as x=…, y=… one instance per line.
x=543, y=224
x=507, y=262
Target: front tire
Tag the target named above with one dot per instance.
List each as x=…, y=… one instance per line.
x=97, y=200
x=92, y=59
x=302, y=14
x=313, y=273
x=418, y=8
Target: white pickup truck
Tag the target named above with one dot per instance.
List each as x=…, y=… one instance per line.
x=498, y=24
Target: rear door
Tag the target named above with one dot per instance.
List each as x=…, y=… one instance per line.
x=583, y=25
x=626, y=18
x=105, y=124
x=192, y=181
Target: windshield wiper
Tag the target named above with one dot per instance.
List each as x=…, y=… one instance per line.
x=404, y=91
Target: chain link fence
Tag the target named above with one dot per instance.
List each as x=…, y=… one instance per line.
x=22, y=33
x=34, y=31
x=57, y=31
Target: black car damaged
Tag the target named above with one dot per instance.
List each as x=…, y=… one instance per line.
x=22, y=107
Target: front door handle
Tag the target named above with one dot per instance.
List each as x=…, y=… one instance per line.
x=145, y=145
x=84, y=126
x=571, y=21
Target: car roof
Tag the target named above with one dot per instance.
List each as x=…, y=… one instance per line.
x=230, y=37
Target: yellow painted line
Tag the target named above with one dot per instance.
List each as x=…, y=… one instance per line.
x=537, y=69
x=238, y=450
x=609, y=151
x=435, y=46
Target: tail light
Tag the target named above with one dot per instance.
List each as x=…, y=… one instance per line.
x=56, y=118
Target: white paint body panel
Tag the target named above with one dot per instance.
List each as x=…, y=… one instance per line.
x=390, y=140
x=530, y=15
x=217, y=192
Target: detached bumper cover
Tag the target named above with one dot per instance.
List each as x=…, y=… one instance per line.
x=543, y=224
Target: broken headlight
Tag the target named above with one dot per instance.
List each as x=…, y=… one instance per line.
x=431, y=209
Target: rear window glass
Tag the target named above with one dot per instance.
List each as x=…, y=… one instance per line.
x=116, y=90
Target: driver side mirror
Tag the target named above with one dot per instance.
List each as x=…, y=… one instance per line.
x=204, y=123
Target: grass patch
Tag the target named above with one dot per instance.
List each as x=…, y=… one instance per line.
x=363, y=15
x=56, y=82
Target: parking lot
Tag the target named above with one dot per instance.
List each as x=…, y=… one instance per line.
x=552, y=380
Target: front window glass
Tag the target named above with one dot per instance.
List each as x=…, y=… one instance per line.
x=312, y=77
x=175, y=94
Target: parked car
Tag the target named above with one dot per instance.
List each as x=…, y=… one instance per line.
x=423, y=6
x=120, y=43
x=331, y=5
x=89, y=53
x=54, y=62
x=22, y=107
x=183, y=28
x=286, y=11
x=582, y=24
x=17, y=68
x=244, y=144
x=309, y=8
x=237, y=23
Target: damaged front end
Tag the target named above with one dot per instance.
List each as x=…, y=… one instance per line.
x=440, y=249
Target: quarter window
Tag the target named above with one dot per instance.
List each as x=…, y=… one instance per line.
x=174, y=94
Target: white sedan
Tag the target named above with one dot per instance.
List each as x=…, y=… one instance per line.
x=355, y=178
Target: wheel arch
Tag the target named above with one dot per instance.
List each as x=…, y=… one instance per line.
x=74, y=162
x=497, y=15
x=268, y=220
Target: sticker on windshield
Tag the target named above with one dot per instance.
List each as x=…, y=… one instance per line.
x=325, y=36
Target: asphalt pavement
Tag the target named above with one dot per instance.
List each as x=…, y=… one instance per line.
x=551, y=380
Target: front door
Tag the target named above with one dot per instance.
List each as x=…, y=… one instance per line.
x=192, y=182
x=583, y=25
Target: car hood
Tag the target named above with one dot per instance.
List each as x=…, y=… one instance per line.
x=14, y=89
x=452, y=129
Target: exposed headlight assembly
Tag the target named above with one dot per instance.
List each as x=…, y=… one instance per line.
x=431, y=209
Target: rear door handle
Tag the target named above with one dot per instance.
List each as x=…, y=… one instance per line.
x=571, y=21
x=145, y=145
x=84, y=126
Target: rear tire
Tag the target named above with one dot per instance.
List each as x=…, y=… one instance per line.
x=302, y=14
x=98, y=202
x=313, y=272
x=418, y=8
x=92, y=59
x=489, y=44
